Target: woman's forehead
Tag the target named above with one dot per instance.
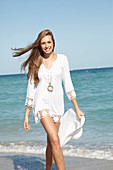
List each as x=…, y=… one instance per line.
x=46, y=38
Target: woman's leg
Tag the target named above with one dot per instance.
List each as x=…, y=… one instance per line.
x=49, y=156
x=51, y=130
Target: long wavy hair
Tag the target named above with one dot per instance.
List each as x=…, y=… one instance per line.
x=36, y=56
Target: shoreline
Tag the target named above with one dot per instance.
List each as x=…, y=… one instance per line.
x=14, y=161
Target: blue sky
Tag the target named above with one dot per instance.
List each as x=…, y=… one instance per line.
x=83, y=30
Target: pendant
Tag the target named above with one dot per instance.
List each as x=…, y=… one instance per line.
x=50, y=87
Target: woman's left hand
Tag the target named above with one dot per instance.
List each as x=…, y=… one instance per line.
x=79, y=113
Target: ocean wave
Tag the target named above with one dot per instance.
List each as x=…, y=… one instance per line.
x=78, y=151
x=68, y=150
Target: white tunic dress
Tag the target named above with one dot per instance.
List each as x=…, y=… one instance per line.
x=44, y=102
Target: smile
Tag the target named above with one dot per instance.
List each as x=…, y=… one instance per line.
x=47, y=49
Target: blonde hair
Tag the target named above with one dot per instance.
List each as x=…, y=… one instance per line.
x=35, y=58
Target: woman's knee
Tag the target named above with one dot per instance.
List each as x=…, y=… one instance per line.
x=55, y=142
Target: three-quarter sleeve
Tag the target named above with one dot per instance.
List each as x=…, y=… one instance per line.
x=69, y=89
x=30, y=93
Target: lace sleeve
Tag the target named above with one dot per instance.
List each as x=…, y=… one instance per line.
x=29, y=102
x=71, y=95
x=69, y=89
x=30, y=93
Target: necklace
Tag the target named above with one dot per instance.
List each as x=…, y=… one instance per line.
x=49, y=79
x=50, y=87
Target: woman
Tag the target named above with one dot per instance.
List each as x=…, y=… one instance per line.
x=46, y=72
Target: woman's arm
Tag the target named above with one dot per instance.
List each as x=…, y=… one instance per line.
x=66, y=77
x=78, y=111
x=69, y=87
x=29, y=102
x=26, y=118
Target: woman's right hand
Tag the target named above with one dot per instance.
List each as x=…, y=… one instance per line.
x=26, y=126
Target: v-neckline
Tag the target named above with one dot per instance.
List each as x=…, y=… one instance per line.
x=51, y=65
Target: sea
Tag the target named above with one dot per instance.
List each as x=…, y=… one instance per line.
x=94, y=89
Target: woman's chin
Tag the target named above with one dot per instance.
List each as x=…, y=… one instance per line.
x=47, y=52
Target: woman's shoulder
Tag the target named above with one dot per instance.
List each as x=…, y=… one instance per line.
x=62, y=60
x=62, y=57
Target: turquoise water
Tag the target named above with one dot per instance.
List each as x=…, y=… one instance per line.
x=94, y=88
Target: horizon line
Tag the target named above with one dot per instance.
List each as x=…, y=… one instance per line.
x=82, y=69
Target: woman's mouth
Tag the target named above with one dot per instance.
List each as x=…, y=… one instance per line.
x=47, y=49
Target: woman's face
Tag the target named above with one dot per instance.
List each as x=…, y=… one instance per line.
x=47, y=44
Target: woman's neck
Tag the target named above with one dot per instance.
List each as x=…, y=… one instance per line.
x=48, y=57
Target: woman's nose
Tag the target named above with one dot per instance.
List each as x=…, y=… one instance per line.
x=46, y=44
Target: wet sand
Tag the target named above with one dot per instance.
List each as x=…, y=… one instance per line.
x=13, y=161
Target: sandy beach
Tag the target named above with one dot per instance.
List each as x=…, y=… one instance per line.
x=11, y=161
